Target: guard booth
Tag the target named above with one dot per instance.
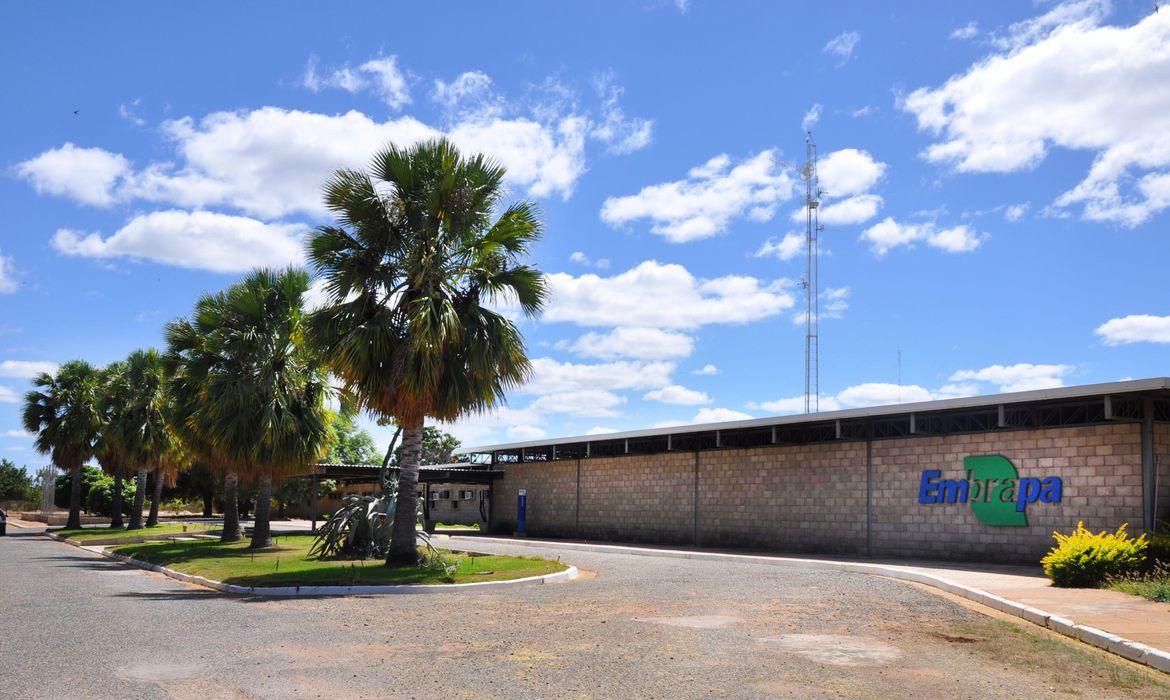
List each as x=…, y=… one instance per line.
x=452, y=494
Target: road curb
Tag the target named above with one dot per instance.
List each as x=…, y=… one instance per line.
x=297, y=591
x=1106, y=641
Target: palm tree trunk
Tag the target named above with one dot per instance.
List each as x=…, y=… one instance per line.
x=231, y=508
x=158, y=484
x=139, y=502
x=385, y=471
x=208, y=497
x=74, y=521
x=116, y=516
x=403, y=544
x=261, y=533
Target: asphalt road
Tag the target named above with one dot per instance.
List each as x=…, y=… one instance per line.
x=75, y=625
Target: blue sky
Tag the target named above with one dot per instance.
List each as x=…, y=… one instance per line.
x=997, y=176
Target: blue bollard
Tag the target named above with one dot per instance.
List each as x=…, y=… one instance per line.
x=521, y=512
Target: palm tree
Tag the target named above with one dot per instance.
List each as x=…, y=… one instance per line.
x=63, y=413
x=190, y=355
x=139, y=420
x=258, y=392
x=417, y=255
x=110, y=447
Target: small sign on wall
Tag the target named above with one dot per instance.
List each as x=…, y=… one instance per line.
x=993, y=487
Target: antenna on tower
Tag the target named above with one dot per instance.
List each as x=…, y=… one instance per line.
x=812, y=350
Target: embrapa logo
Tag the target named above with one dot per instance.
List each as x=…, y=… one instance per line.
x=997, y=494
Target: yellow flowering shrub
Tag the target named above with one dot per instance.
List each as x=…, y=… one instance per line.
x=1085, y=559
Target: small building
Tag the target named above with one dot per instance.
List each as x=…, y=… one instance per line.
x=981, y=478
x=451, y=494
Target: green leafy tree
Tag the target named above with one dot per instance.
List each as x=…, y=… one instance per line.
x=15, y=483
x=437, y=446
x=410, y=269
x=260, y=392
x=351, y=444
x=63, y=413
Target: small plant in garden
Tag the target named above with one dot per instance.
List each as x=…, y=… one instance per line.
x=1085, y=559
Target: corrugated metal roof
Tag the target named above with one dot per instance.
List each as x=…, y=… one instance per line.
x=1018, y=397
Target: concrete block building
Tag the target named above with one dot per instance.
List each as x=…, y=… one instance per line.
x=982, y=478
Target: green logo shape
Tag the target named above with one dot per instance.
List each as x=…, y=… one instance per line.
x=994, y=481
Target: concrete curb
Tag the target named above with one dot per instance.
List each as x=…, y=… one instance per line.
x=1126, y=648
x=294, y=591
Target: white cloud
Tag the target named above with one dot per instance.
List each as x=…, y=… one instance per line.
x=622, y=135
x=677, y=395
x=1137, y=328
x=637, y=343
x=843, y=45
x=582, y=259
x=271, y=162
x=811, y=117
x=18, y=434
x=846, y=176
x=380, y=76
x=525, y=432
x=855, y=210
x=657, y=295
x=706, y=202
x=888, y=234
x=600, y=430
x=470, y=93
x=1016, y=212
x=26, y=369
x=1018, y=377
x=719, y=415
x=551, y=377
x=968, y=31
x=1008, y=110
x=706, y=415
x=8, y=395
x=849, y=171
x=87, y=175
x=706, y=371
x=795, y=404
x=785, y=249
x=199, y=240
x=880, y=394
x=8, y=283
x=579, y=402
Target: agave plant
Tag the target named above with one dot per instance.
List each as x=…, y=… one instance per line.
x=361, y=529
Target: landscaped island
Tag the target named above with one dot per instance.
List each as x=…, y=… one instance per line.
x=287, y=563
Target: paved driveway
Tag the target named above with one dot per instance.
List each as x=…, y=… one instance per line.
x=76, y=625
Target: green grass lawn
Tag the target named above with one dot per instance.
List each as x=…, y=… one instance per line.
x=1152, y=586
x=102, y=533
x=287, y=564
x=457, y=527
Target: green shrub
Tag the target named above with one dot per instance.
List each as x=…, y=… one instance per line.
x=1087, y=560
x=100, y=498
x=1158, y=552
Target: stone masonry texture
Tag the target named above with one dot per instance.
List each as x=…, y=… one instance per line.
x=812, y=498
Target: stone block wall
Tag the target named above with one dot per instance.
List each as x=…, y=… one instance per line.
x=552, y=498
x=807, y=498
x=812, y=498
x=645, y=498
x=1100, y=467
x=1162, y=477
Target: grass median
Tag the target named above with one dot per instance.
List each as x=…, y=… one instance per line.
x=288, y=564
x=87, y=534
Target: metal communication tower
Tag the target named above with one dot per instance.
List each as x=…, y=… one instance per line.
x=812, y=350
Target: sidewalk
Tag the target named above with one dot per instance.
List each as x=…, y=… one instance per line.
x=1106, y=619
